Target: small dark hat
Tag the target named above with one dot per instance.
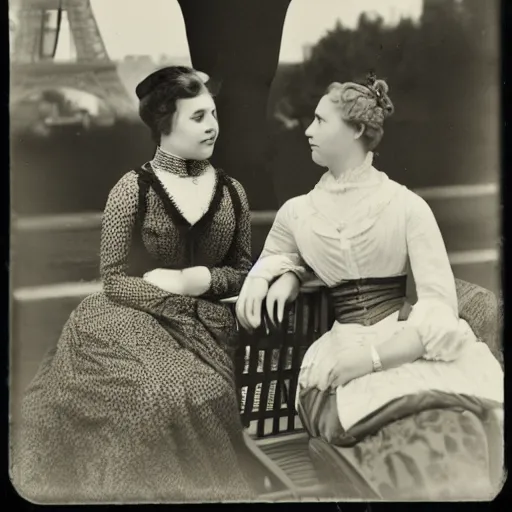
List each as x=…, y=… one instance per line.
x=163, y=76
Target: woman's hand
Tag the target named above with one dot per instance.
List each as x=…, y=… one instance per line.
x=250, y=299
x=196, y=281
x=283, y=291
x=402, y=348
x=170, y=281
x=351, y=363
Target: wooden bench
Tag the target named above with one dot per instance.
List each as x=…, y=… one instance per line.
x=267, y=368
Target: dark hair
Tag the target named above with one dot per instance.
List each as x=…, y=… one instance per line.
x=159, y=92
x=364, y=103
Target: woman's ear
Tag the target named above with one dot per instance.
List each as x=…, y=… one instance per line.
x=359, y=132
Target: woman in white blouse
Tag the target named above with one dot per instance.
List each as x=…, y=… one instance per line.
x=386, y=370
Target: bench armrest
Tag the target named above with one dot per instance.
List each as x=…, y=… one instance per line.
x=310, y=287
x=481, y=309
x=477, y=305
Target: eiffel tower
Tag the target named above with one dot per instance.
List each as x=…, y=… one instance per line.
x=33, y=65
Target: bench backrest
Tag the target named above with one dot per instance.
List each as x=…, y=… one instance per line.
x=268, y=362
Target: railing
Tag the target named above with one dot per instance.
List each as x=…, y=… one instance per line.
x=88, y=220
x=485, y=250
x=91, y=220
x=68, y=244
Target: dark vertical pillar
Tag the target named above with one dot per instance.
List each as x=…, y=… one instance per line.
x=237, y=42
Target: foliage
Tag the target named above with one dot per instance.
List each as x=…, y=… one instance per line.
x=443, y=78
x=434, y=59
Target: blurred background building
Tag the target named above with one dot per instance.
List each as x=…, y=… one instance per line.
x=75, y=130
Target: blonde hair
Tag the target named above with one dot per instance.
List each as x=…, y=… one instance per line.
x=368, y=105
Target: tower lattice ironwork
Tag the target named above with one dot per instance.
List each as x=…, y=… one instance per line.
x=33, y=64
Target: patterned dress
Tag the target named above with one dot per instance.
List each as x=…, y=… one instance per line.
x=137, y=401
x=412, y=432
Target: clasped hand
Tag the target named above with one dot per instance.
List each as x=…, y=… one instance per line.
x=193, y=281
x=256, y=289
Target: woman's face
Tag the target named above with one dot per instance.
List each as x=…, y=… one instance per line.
x=194, y=128
x=330, y=138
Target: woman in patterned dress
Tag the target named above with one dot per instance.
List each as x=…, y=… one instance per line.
x=137, y=402
x=397, y=433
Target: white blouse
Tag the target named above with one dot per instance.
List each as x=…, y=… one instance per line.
x=366, y=225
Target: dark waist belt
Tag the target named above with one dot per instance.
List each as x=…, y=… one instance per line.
x=368, y=301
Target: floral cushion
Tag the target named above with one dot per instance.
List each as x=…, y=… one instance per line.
x=483, y=312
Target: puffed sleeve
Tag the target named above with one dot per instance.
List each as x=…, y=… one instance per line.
x=227, y=279
x=116, y=239
x=435, y=315
x=280, y=253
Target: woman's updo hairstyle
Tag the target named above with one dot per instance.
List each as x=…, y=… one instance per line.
x=366, y=104
x=159, y=92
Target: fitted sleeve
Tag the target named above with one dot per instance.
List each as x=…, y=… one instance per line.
x=280, y=253
x=435, y=315
x=116, y=238
x=227, y=279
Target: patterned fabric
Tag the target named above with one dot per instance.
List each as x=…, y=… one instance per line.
x=137, y=402
x=437, y=454
x=175, y=165
x=484, y=312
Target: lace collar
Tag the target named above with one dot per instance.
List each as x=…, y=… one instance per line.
x=362, y=174
x=164, y=161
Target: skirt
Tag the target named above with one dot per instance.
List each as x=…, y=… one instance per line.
x=128, y=409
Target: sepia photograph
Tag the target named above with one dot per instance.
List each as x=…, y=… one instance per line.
x=255, y=251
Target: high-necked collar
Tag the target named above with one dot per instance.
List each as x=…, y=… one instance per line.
x=165, y=161
x=364, y=173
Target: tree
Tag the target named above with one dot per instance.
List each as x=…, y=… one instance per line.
x=441, y=77
x=237, y=43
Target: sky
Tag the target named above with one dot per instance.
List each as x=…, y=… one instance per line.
x=155, y=27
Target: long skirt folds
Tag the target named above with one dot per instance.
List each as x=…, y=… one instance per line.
x=426, y=414
x=132, y=408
